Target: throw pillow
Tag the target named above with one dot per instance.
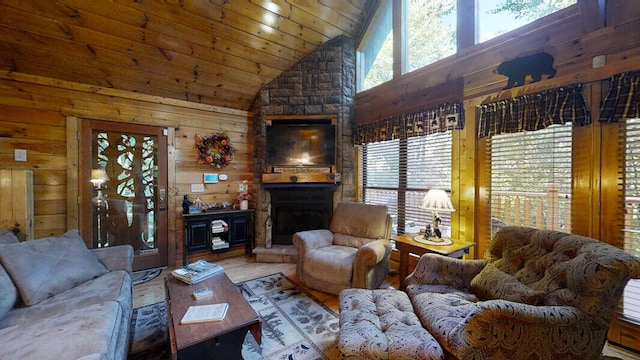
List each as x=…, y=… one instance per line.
x=8, y=237
x=49, y=266
x=8, y=292
x=492, y=283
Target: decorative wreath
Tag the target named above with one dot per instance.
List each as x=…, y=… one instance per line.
x=214, y=149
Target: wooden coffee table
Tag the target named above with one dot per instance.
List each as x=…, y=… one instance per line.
x=406, y=245
x=216, y=339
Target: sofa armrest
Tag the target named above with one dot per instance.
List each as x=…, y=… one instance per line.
x=434, y=269
x=116, y=257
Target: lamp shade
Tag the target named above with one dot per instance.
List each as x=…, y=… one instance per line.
x=437, y=200
x=98, y=176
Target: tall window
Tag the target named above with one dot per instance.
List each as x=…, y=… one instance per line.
x=398, y=173
x=531, y=179
x=496, y=17
x=431, y=31
x=375, y=54
x=631, y=296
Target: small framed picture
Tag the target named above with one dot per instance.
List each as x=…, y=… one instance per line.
x=210, y=178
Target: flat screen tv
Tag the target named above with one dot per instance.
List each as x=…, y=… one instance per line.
x=304, y=143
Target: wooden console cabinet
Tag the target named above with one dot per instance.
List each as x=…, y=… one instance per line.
x=198, y=233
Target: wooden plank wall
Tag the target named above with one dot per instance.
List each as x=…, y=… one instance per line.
x=34, y=113
x=16, y=202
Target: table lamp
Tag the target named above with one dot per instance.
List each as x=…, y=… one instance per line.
x=435, y=200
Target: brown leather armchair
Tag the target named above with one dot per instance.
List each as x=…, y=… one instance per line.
x=352, y=253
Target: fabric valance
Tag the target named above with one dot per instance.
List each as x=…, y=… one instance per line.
x=623, y=99
x=534, y=111
x=424, y=122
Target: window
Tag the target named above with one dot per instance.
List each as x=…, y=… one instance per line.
x=398, y=173
x=431, y=31
x=496, y=17
x=531, y=179
x=631, y=296
x=375, y=54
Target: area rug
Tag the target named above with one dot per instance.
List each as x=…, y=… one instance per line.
x=295, y=325
x=142, y=276
x=148, y=336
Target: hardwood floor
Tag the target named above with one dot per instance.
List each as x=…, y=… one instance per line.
x=240, y=269
x=245, y=268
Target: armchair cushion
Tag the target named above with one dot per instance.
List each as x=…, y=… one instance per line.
x=334, y=262
x=46, y=267
x=492, y=283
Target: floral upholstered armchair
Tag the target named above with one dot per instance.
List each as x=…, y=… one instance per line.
x=353, y=252
x=537, y=294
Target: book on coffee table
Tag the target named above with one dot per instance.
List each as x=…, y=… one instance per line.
x=197, y=271
x=204, y=313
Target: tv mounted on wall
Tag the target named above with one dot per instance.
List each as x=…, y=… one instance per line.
x=301, y=143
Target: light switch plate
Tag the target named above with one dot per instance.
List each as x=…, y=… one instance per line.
x=197, y=188
x=20, y=155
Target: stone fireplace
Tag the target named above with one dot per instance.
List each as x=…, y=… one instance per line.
x=320, y=85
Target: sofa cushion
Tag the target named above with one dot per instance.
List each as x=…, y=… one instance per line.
x=66, y=335
x=49, y=266
x=492, y=283
x=8, y=292
x=113, y=286
x=8, y=237
x=442, y=309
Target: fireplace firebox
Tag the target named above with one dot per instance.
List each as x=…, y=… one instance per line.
x=298, y=208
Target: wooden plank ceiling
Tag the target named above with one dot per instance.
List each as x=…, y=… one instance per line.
x=216, y=52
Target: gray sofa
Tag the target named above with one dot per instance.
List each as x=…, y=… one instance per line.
x=60, y=300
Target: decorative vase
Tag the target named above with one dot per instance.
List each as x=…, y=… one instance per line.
x=244, y=204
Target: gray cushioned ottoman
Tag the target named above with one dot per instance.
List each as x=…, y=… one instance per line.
x=381, y=324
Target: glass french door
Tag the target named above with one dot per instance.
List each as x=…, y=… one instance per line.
x=126, y=170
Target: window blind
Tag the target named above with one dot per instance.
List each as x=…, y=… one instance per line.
x=630, y=304
x=531, y=178
x=398, y=173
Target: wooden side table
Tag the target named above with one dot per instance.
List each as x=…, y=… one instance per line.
x=406, y=245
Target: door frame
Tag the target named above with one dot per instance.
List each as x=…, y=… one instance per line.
x=83, y=129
